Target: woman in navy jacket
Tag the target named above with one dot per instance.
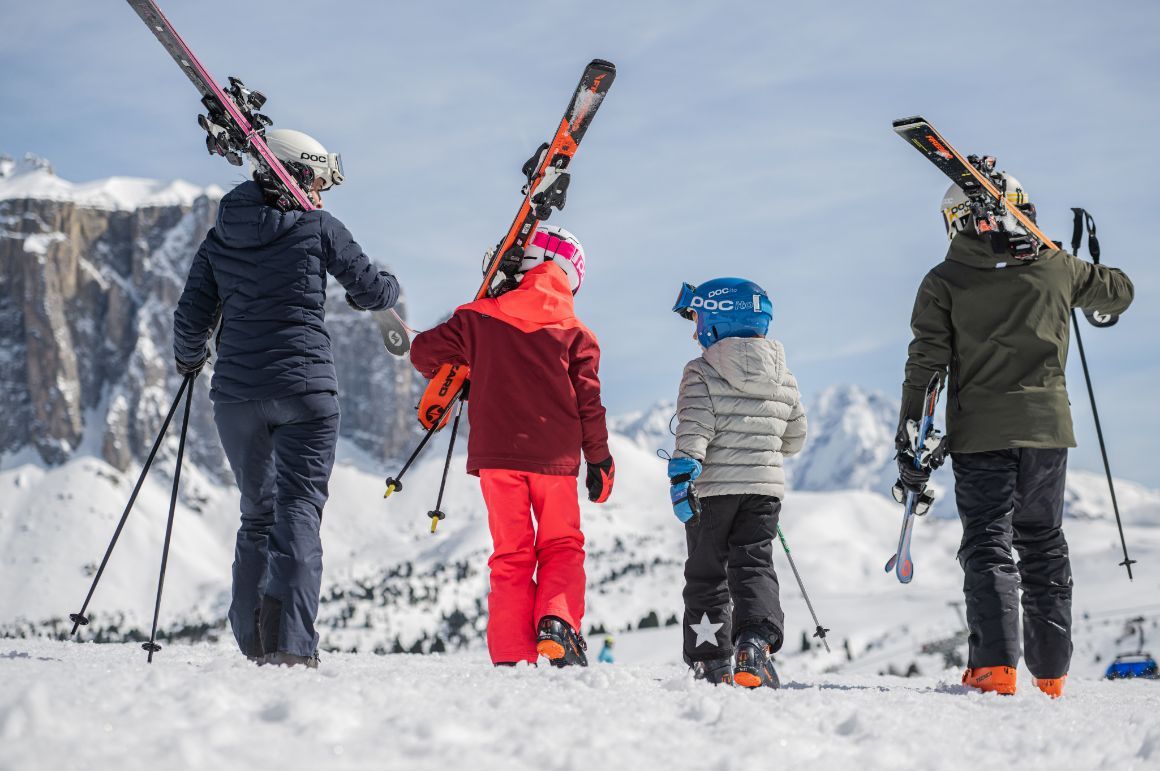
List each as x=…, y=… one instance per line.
x=263, y=273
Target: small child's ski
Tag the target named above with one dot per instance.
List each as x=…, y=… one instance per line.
x=545, y=189
x=901, y=562
x=546, y=173
x=234, y=128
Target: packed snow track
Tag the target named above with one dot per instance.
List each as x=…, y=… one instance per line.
x=66, y=705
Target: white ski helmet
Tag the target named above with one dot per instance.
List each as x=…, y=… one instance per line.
x=292, y=146
x=956, y=208
x=550, y=242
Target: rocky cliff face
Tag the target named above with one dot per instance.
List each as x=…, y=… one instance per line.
x=89, y=277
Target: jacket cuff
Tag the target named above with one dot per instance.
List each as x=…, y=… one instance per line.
x=597, y=453
x=911, y=404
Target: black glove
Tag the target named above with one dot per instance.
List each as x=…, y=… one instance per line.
x=185, y=369
x=350, y=301
x=599, y=481
x=912, y=479
x=383, y=274
x=931, y=456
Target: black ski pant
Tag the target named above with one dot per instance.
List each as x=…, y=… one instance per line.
x=1015, y=497
x=281, y=452
x=731, y=563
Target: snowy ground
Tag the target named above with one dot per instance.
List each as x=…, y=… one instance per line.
x=68, y=705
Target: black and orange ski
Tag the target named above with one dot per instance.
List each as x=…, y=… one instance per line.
x=967, y=174
x=547, y=176
x=545, y=189
x=964, y=172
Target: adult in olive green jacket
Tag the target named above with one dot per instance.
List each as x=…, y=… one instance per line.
x=999, y=327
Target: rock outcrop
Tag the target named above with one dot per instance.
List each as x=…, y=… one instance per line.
x=89, y=277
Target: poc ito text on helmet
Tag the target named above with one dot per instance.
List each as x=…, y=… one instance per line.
x=725, y=307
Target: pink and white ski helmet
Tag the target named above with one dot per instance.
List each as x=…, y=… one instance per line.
x=550, y=242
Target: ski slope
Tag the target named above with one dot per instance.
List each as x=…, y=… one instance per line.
x=56, y=522
x=100, y=707
x=79, y=705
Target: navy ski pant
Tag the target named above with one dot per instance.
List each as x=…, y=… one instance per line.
x=730, y=583
x=1015, y=497
x=281, y=452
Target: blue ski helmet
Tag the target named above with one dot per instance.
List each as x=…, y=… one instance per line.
x=725, y=307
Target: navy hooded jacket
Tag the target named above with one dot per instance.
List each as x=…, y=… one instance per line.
x=263, y=271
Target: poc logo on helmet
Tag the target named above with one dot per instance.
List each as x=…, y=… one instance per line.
x=712, y=305
x=315, y=158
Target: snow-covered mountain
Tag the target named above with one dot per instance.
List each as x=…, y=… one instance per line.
x=850, y=447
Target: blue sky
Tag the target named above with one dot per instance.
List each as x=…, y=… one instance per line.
x=740, y=138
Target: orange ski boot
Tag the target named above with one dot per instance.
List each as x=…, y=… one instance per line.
x=560, y=643
x=991, y=679
x=1052, y=686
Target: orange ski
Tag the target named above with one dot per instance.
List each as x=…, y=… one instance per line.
x=546, y=189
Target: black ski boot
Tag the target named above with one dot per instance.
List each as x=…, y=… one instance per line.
x=562, y=645
x=283, y=659
x=715, y=671
x=754, y=657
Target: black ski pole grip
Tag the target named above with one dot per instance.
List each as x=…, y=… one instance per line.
x=1076, y=229
x=1093, y=242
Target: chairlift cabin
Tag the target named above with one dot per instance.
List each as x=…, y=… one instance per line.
x=1138, y=664
x=1128, y=665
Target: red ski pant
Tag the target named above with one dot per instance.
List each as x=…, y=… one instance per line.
x=537, y=567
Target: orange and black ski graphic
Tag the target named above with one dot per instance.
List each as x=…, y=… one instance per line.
x=441, y=392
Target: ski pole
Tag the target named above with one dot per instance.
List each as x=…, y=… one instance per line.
x=1128, y=562
x=437, y=513
x=1094, y=250
x=152, y=646
x=79, y=618
x=819, y=630
x=395, y=483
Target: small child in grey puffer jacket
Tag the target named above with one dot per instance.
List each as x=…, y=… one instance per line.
x=739, y=415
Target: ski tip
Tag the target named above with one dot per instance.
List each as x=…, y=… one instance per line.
x=602, y=64
x=890, y=563
x=905, y=122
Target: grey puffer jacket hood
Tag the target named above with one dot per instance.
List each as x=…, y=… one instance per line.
x=740, y=413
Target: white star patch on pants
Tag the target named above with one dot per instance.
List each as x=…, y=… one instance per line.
x=705, y=630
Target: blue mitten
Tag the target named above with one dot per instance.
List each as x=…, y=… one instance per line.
x=682, y=472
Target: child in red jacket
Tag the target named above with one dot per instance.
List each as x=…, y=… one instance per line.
x=534, y=406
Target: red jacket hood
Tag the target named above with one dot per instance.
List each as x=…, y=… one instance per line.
x=543, y=298
x=535, y=386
